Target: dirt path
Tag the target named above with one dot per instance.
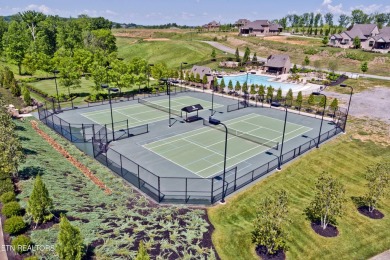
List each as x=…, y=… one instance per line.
x=373, y=103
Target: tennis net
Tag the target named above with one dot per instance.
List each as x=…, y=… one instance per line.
x=243, y=135
x=159, y=107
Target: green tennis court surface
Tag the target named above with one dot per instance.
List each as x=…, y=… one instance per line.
x=202, y=151
x=139, y=114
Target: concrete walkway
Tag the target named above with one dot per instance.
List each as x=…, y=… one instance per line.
x=384, y=256
x=227, y=49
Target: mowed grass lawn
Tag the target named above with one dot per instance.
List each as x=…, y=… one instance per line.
x=359, y=237
x=172, y=52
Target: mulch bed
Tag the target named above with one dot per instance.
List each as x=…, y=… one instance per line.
x=70, y=158
x=263, y=253
x=329, y=231
x=375, y=214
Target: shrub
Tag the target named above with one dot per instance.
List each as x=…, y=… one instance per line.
x=311, y=51
x=6, y=185
x=11, y=209
x=8, y=197
x=14, y=225
x=31, y=258
x=21, y=244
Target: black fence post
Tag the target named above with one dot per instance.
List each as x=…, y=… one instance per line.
x=61, y=127
x=139, y=180
x=70, y=133
x=159, y=193
x=93, y=131
x=212, y=191
x=235, y=178
x=93, y=147
x=186, y=192
x=127, y=129
x=83, y=131
x=120, y=158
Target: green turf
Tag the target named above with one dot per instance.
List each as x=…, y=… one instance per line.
x=202, y=151
x=113, y=223
x=359, y=238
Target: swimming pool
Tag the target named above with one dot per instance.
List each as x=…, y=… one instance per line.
x=257, y=79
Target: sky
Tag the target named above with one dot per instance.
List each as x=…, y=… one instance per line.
x=189, y=12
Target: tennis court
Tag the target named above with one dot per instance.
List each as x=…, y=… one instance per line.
x=140, y=114
x=201, y=151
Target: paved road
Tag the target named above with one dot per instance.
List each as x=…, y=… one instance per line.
x=227, y=49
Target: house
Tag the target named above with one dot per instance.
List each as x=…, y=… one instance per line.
x=362, y=31
x=201, y=70
x=278, y=64
x=260, y=28
x=241, y=22
x=379, y=42
x=212, y=26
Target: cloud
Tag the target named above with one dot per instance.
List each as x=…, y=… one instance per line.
x=369, y=8
x=110, y=12
x=327, y=2
x=186, y=16
x=336, y=9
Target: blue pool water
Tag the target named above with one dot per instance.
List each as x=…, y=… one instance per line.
x=257, y=79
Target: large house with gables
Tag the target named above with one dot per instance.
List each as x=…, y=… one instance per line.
x=212, y=26
x=371, y=37
x=260, y=28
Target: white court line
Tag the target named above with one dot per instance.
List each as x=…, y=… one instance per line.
x=273, y=130
x=128, y=116
x=275, y=119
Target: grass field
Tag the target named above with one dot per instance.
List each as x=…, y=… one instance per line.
x=359, y=238
x=111, y=225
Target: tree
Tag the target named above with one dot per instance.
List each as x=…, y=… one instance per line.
x=69, y=35
x=356, y=42
x=254, y=58
x=16, y=43
x=69, y=73
x=237, y=55
x=294, y=69
x=289, y=97
x=333, y=65
x=311, y=100
x=213, y=54
x=270, y=93
x=237, y=87
x=270, y=224
x=69, y=245
x=343, y=20
x=122, y=78
x=32, y=18
x=27, y=96
x=188, y=76
x=322, y=102
x=40, y=204
x=378, y=177
x=306, y=61
x=253, y=89
x=261, y=92
x=11, y=149
x=246, y=57
x=358, y=17
x=299, y=100
x=223, y=85
x=83, y=59
x=245, y=87
x=142, y=252
x=328, y=200
x=364, y=67
x=204, y=80
x=329, y=19
x=334, y=104
x=197, y=78
x=102, y=39
x=325, y=40
x=279, y=94
x=215, y=84
x=230, y=85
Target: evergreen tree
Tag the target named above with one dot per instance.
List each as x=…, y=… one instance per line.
x=188, y=78
x=69, y=245
x=197, y=78
x=254, y=58
x=213, y=54
x=364, y=67
x=356, y=42
x=246, y=57
x=253, y=89
x=237, y=55
x=27, y=96
x=223, y=85
x=289, y=97
x=237, y=87
x=204, y=79
x=299, y=100
x=311, y=100
x=294, y=69
x=270, y=93
x=279, y=94
x=40, y=204
x=261, y=92
x=245, y=87
x=306, y=62
x=230, y=85
x=325, y=40
x=142, y=252
x=334, y=105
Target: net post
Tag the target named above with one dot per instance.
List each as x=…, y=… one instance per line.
x=105, y=127
x=62, y=133
x=235, y=178
x=93, y=147
x=83, y=131
x=127, y=125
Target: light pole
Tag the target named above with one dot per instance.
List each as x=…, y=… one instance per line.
x=181, y=72
x=55, y=80
x=168, y=85
x=105, y=86
x=217, y=122
x=284, y=130
x=148, y=75
x=349, y=103
x=212, y=94
x=322, y=118
x=107, y=68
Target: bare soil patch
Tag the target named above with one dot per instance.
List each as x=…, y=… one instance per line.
x=329, y=231
x=284, y=39
x=375, y=214
x=157, y=39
